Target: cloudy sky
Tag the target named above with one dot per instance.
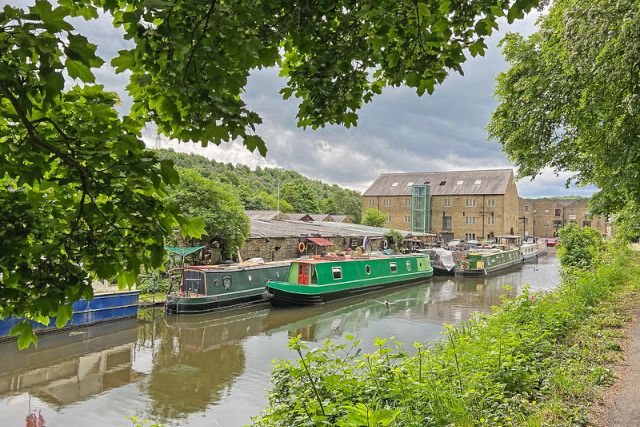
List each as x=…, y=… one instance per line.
x=397, y=132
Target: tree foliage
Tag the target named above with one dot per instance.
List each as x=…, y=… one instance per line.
x=571, y=98
x=217, y=205
x=192, y=59
x=374, y=217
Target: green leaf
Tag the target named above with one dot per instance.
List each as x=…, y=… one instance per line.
x=63, y=315
x=77, y=70
x=25, y=334
x=169, y=173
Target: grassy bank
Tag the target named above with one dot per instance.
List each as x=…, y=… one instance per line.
x=539, y=359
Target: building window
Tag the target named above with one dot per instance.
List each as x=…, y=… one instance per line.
x=546, y=211
x=469, y=220
x=446, y=223
x=443, y=182
x=409, y=184
x=408, y=265
x=460, y=182
x=526, y=208
x=388, y=218
x=372, y=202
x=491, y=220
x=337, y=272
x=470, y=203
x=470, y=236
x=571, y=212
x=407, y=202
x=478, y=182
x=558, y=212
x=395, y=184
x=491, y=203
x=387, y=202
x=447, y=203
x=586, y=223
x=393, y=266
x=407, y=219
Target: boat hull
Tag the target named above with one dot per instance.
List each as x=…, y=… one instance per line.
x=281, y=298
x=185, y=305
x=439, y=271
x=512, y=265
x=102, y=308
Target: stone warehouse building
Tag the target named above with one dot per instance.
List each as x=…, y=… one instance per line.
x=546, y=216
x=474, y=204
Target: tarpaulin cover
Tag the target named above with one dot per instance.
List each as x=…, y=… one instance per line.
x=320, y=241
x=183, y=251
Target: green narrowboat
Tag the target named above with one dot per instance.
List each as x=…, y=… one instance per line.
x=205, y=288
x=316, y=281
x=488, y=261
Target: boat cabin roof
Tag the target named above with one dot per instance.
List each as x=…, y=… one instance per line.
x=350, y=259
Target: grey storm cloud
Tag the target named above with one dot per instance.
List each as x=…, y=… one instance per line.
x=398, y=131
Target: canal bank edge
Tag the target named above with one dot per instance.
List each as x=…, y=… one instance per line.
x=483, y=371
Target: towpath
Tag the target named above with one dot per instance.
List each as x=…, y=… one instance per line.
x=621, y=404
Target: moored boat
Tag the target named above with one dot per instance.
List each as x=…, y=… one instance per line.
x=443, y=260
x=315, y=281
x=487, y=261
x=205, y=288
x=529, y=251
x=102, y=308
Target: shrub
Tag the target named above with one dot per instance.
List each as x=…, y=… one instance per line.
x=580, y=247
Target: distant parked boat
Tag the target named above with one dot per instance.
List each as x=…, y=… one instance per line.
x=316, y=281
x=443, y=260
x=205, y=288
x=102, y=308
x=487, y=261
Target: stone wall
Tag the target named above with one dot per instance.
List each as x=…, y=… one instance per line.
x=283, y=248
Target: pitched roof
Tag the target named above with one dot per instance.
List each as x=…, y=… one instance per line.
x=492, y=181
x=264, y=215
x=292, y=228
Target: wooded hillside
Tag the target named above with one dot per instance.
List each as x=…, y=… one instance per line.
x=258, y=188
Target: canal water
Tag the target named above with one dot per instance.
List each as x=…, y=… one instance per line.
x=213, y=370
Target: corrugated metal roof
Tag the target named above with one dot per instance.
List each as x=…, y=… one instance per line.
x=264, y=215
x=492, y=181
x=289, y=228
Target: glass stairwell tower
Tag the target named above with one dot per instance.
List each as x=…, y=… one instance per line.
x=420, y=208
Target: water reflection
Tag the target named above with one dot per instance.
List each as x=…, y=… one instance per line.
x=213, y=369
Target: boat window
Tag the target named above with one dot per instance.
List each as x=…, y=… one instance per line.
x=408, y=265
x=337, y=272
x=277, y=274
x=216, y=282
x=394, y=267
x=249, y=278
x=367, y=269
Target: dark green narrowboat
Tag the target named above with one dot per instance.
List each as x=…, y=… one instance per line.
x=316, y=281
x=488, y=261
x=205, y=288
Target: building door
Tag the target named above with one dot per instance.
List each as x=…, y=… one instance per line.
x=303, y=274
